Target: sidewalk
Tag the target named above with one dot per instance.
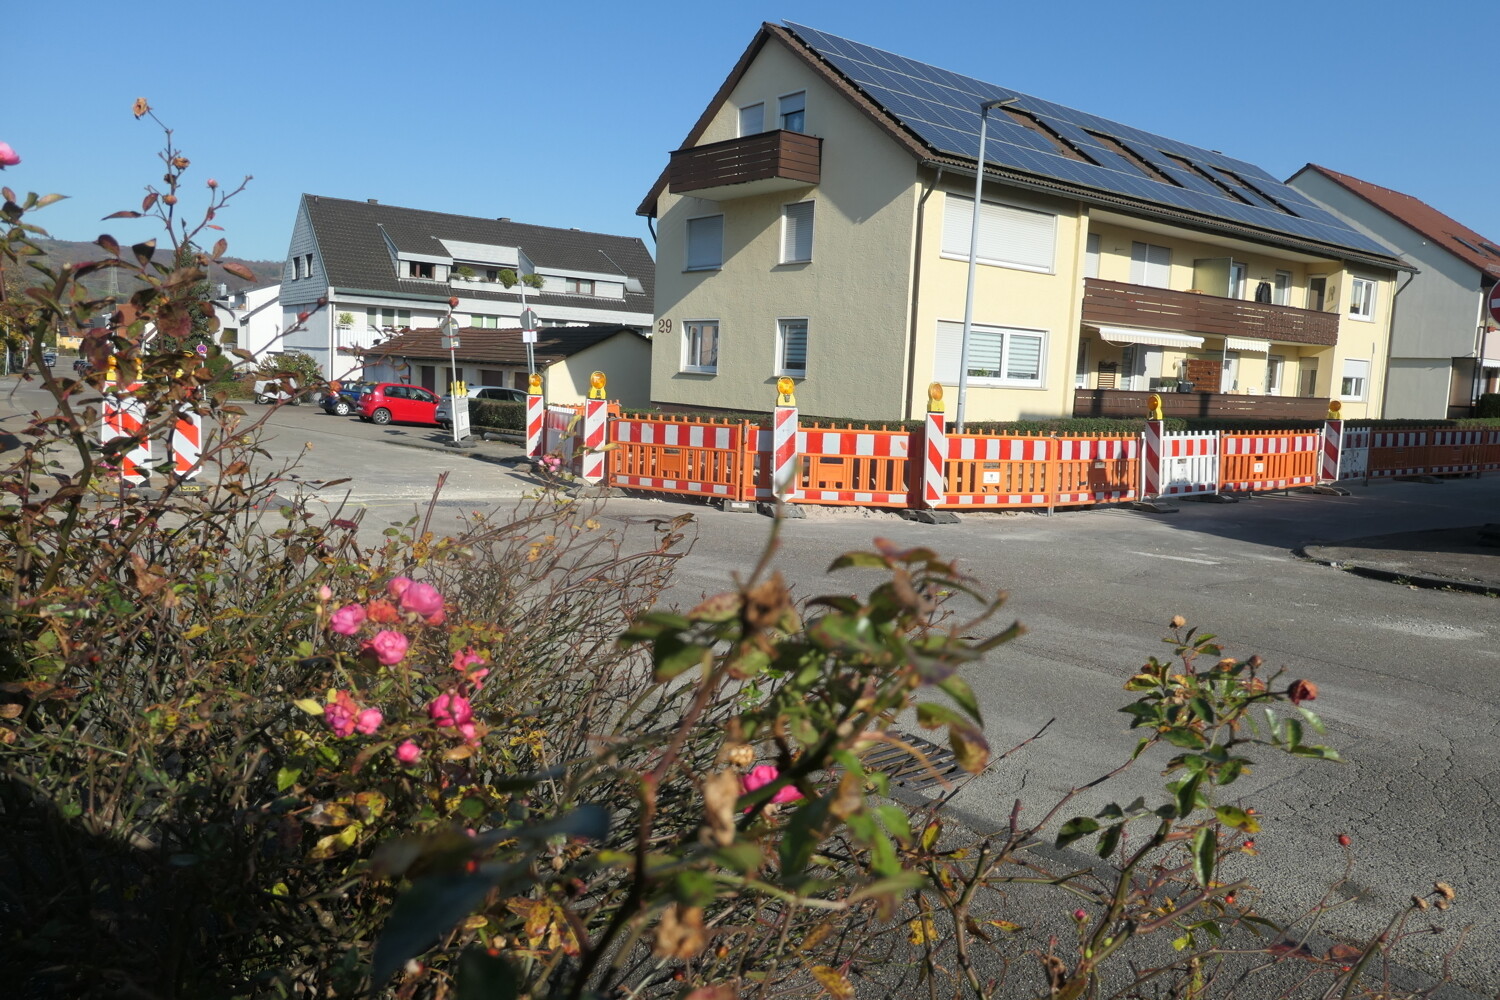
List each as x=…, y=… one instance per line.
x=1461, y=558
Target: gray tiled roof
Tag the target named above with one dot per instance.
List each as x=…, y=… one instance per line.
x=479, y=346
x=355, y=255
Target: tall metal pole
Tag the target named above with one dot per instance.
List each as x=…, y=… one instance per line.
x=963, y=351
x=530, y=347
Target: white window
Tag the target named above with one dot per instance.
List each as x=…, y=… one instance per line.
x=1281, y=294
x=700, y=345
x=578, y=286
x=1091, y=256
x=1008, y=236
x=998, y=356
x=752, y=119
x=1362, y=299
x=791, y=347
x=797, y=233
x=705, y=243
x=1150, y=265
x=1356, y=382
x=383, y=318
x=485, y=322
x=794, y=111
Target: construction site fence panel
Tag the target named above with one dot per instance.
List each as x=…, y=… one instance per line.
x=690, y=457
x=1189, y=463
x=1269, y=460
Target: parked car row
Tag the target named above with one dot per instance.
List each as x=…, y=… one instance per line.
x=398, y=402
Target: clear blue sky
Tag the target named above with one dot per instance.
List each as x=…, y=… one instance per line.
x=564, y=116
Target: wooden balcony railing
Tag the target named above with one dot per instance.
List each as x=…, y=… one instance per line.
x=1115, y=303
x=787, y=159
x=1122, y=403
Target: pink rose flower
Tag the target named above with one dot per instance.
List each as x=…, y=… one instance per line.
x=763, y=775
x=338, y=715
x=348, y=619
x=397, y=585
x=388, y=647
x=368, y=721
x=466, y=658
x=325, y=594
x=451, y=709
x=423, y=598
x=8, y=157
x=408, y=752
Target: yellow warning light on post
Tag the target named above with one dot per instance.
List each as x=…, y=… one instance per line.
x=935, y=398
x=785, y=387
x=1334, y=409
x=596, y=386
x=534, y=384
x=1154, y=407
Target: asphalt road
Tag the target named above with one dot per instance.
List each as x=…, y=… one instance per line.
x=1409, y=678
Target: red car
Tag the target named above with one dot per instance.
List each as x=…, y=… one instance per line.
x=387, y=401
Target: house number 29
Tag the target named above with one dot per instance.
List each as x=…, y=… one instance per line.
x=663, y=326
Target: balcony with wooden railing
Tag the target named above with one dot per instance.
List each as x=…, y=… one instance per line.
x=750, y=165
x=1116, y=303
x=1225, y=405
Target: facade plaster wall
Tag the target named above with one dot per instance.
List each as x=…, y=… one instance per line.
x=625, y=359
x=1007, y=297
x=854, y=293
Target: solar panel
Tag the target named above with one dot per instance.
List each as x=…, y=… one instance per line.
x=942, y=108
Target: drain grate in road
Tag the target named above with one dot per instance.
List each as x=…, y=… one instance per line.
x=933, y=765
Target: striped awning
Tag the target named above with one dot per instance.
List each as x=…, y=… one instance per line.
x=1155, y=338
x=1241, y=344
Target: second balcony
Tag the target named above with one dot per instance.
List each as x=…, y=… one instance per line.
x=749, y=165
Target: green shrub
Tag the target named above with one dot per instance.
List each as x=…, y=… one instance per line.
x=497, y=414
x=1488, y=407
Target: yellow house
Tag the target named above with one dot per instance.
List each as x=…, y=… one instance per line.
x=817, y=223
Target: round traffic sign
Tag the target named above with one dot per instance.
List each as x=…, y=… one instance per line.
x=1495, y=303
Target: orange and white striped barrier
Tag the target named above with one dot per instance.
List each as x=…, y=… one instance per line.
x=935, y=450
x=124, y=416
x=595, y=421
x=785, y=460
x=986, y=471
x=187, y=443
x=535, y=412
x=1097, y=470
x=1333, y=446
x=1151, y=452
x=1273, y=460
x=692, y=457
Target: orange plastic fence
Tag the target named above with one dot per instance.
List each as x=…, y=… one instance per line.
x=1009, y=471
x=1269, y=460
x=859, y=467
x=1433, y=451
x=690, y=456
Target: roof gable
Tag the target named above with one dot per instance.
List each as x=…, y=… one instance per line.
x=1441, y=230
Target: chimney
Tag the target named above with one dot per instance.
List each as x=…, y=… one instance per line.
x=372, y=201
x=503, y=218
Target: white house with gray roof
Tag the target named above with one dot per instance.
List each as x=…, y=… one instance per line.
x=383, y=269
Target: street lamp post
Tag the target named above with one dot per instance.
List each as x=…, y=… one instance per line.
x=963, y=351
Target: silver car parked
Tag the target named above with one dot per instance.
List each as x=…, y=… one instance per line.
x=499, y=393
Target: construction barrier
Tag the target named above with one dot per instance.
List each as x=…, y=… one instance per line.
x=1189, y=463
x=1269, y=460
x=536, y=413
x=691, y=457
x=124, y=416
x=738, y=461
x=187, y=443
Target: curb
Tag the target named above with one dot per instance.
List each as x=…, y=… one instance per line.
x=1394, y=576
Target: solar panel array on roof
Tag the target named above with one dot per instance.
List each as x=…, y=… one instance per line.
x=942, y=108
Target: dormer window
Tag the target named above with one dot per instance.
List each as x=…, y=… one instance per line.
x=419, y=269
x=578, y=286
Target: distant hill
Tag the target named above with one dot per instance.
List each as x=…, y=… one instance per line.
x=99, y=284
